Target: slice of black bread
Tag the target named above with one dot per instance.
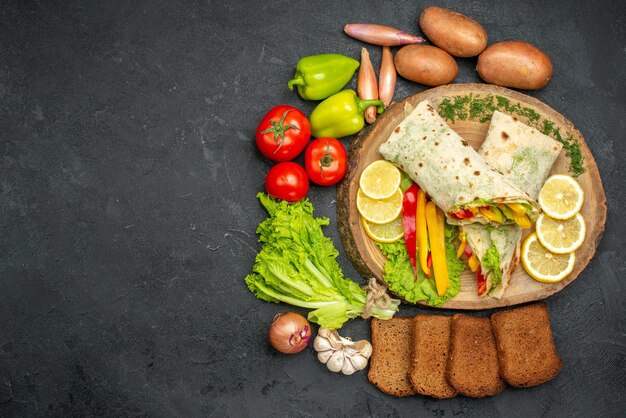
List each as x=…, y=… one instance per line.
x=525, y=343
x=391, y=356
x=473, y=361
x=431, y=340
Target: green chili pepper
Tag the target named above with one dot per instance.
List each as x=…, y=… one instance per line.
x=319, y=76
x=340, y=115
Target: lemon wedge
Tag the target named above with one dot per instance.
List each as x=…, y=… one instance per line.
x=561, y=197
x=380, y=179
x=560, y=236
x=542, y=265
x=379, y=211
x=389, y=232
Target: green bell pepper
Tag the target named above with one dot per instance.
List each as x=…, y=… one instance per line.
x=319, y=76
x=340, y=115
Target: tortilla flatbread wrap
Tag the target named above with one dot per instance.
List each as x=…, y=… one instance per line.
x=521, y=153
x=525, y=157
x=452, y=173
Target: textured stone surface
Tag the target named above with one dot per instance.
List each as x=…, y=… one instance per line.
x=128, y=175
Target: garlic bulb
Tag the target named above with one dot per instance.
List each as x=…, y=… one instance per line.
x=341, y=354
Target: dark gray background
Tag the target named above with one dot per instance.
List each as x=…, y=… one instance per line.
x=128, y=175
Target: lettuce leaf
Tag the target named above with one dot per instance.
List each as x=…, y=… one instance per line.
x=401, y=280
x=491, y=260
x=297, y=265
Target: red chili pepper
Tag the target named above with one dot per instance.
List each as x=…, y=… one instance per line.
x=409, y=209
x=462, y=214
x=429, y=263
x=481, y=282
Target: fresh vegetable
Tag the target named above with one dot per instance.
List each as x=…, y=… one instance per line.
x=297, y=265
x=290, y=333
x=422, y=233
x=341, y=115
x=409, y=208
x=462, y=214
x=491, y=260
x=462, y=245
x=426, y=65
x=386, y=77
x=366, y=85
x=453, y=32
x=287, y=181
x=320, y=76
x=400, y=277
x=481, y=282
x=341, y=354
x=325, y=161
x=380, y=35
x=435, y=225
x=515, y=64
x=283, y=133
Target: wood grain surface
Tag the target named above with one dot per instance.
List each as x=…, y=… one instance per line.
x=369, y=261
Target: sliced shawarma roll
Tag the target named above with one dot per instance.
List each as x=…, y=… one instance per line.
x=525, y=156
x=453, y=174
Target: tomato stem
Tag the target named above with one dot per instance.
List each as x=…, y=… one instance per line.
x=279, y=128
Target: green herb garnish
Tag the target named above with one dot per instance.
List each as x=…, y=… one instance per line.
x=471, y=107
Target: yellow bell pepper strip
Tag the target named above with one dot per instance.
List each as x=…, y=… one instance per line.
x=517, y=208
x=522, y=221
x=320, y=76
x=492, y=215
x=461, y=249
x=473, y=263
x=341, y=115
x=435, y=224
x=422, y=233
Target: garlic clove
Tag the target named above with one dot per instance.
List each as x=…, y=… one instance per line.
x=348, y=368
x=335, y=340
x=321, y=344
x=336, y=361
x=358, y=361
x=364, y=348
x=324, y=356
x=323, y=332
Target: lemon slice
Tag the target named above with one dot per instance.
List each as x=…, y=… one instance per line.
x=379, y=211
x=560, y=236
x=561, y=197
x=389, y=232
x=380, y=179
x=542, y=265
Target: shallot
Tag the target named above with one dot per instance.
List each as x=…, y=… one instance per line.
x=366, y=85
x=386, y=77
x=380, y=34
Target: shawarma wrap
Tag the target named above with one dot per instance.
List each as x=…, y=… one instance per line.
x=454, y=175
x=524, y=156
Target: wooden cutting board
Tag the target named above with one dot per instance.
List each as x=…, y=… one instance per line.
x=467, y=109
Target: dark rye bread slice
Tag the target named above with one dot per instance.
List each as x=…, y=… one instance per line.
x=525, y=343
x=431, y=340
x=391, y=356
x=473, y=361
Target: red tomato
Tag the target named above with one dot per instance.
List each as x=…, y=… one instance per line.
x=283, y=133
x=325, y=161
x=462, y=214
x=481, y=282
x=287, y=181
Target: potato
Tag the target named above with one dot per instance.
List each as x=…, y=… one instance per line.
x=453, y=32
x=426, y=65
x=515, y=64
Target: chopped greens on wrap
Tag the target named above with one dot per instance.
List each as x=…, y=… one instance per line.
x=453, y=174
x=524, y=156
